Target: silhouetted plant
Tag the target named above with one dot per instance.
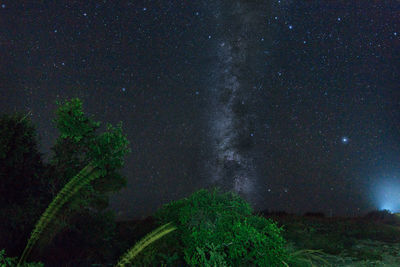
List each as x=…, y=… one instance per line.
x=12, y=261
x=21, y=180
x=384, y=216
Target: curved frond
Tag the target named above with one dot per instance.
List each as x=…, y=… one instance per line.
x=144, y=242
x=86, y=175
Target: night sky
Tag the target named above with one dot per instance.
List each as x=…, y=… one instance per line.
x=295, y=105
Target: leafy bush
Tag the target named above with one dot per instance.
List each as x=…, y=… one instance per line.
x=218, y=229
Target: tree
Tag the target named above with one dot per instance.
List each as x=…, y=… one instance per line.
x=77, y=146
x=21, y=187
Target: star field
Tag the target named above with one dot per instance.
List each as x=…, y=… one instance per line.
x=296, y=104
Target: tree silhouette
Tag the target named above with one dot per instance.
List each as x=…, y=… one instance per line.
x=21, y=172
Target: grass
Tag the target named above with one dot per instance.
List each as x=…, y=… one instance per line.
x=362, y=239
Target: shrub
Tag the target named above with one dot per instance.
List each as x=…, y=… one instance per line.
x=218, y=229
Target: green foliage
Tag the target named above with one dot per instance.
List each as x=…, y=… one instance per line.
x=128, y=258
x=210, y=255
x=76, y=148
x=72, y=122
x=11, y=262
x=168, y=251
x=79, y=148
x=219, y=229
x=109, y=149
x=168, y=260
x=106, y=151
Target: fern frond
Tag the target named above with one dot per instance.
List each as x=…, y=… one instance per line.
x=86, y=175
x=144, y=242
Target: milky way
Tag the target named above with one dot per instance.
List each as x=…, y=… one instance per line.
x=231, y=123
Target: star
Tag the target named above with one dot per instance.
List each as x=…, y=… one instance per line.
x=345, y=140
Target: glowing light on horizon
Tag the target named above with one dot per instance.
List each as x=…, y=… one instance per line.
x=387, y=194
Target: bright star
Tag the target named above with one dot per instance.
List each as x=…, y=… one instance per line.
x=345, y=140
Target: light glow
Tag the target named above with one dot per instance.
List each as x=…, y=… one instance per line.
x=387, y=194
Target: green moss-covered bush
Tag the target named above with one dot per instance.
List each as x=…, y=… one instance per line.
x=216, y=229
